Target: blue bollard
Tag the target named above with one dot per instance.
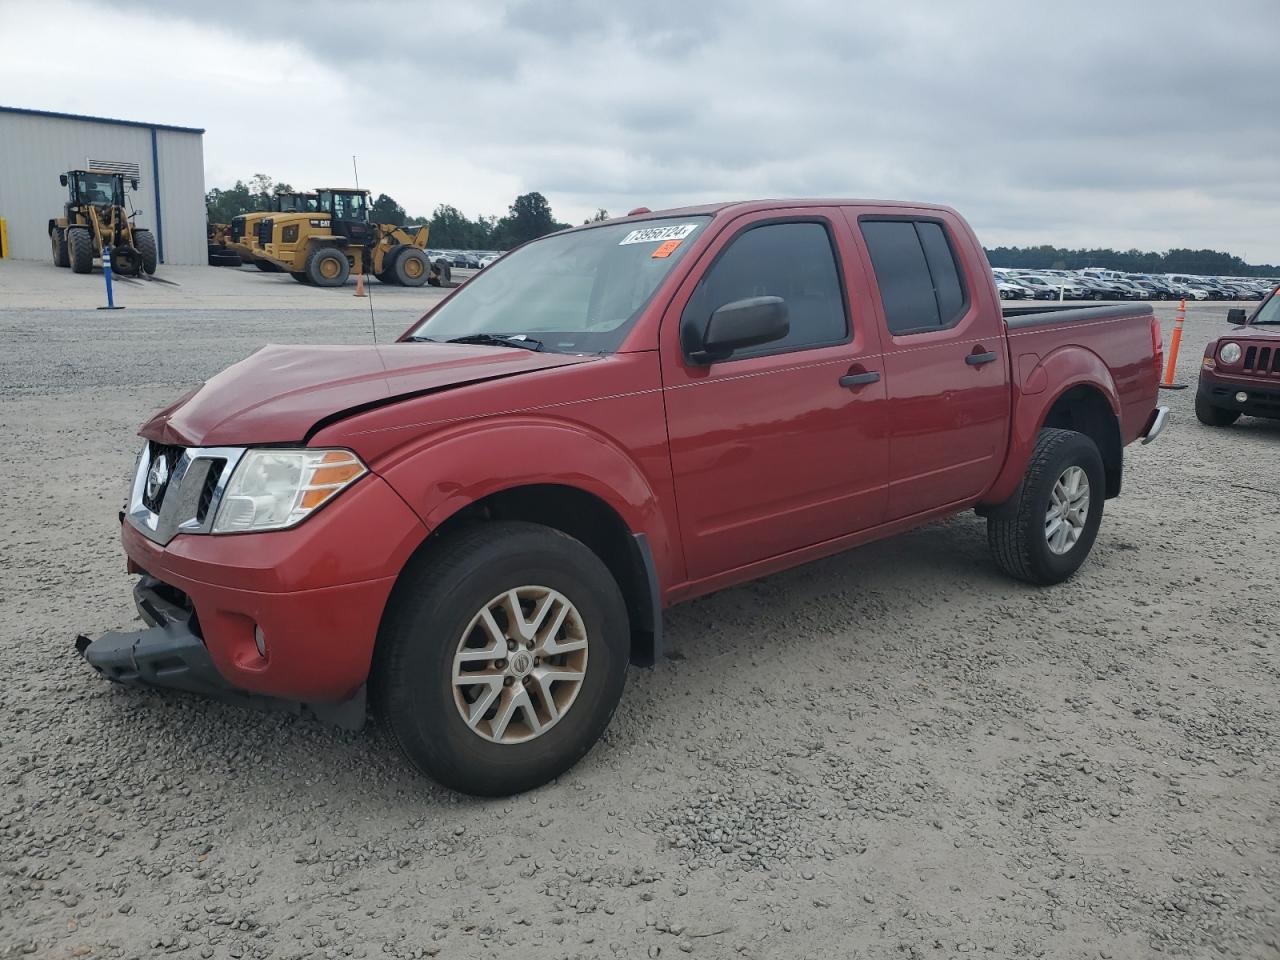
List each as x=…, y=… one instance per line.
x=106, y=275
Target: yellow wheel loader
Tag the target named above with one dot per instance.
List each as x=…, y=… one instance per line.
x=243, y=237
x=93, y=218
x=324, y=247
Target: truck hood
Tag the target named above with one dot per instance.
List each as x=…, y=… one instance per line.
x=280, y=393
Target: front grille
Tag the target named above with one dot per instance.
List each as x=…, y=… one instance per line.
x=237, y=228
x=210, y=485
x=154, y=490
x=1262, y=361
x=264, y=231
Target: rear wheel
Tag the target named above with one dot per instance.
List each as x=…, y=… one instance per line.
x=1050, y=530
x=411, y=267
x=502, y=657
x=58, y=238
x=80, y=249
x=145, y=241
x=328, y=267
x=1214, y=416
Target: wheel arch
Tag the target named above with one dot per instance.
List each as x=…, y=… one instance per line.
x=1084, y=399
x=588, y=518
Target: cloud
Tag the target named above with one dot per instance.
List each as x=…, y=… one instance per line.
x=1097, y=123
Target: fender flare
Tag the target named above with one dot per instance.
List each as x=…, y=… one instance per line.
x=1068, y=367
x=518, y=451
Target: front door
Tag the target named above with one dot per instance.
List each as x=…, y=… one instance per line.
x=782, y=445
x=945, y=362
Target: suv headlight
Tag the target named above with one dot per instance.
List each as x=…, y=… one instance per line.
x=1229, y=352
x=272, y=489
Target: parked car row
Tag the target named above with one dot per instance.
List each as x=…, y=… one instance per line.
x=467, y=259
x=1097, y=284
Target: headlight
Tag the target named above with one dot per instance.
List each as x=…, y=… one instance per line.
x=272, y=489
x=1229, y=352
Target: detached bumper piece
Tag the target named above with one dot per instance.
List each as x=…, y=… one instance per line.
x=169, y=654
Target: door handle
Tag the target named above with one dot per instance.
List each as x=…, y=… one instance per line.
x=978, y=359
x=859, y=379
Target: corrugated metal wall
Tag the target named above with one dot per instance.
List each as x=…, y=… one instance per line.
x=34, y=149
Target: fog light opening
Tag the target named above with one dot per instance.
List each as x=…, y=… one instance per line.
x=1241, y=397
x=261, y=640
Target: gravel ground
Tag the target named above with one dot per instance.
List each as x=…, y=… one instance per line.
x=892, y=753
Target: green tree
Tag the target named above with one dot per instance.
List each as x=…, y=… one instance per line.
x=528, y=218
x=386, y=210
x=599, y=216
x=231, y=202
x=451, y=229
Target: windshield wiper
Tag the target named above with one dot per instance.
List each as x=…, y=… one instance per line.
x=500, y=340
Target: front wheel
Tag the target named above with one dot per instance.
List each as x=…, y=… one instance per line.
x=328, y=267
x=1214, y=416
x=502, y=657
x=1051, y=528
x=145, y=241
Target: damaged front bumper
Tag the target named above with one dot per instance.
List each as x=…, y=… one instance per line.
x=169, y=653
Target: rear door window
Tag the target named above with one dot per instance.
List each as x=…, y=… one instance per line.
x=916, y=270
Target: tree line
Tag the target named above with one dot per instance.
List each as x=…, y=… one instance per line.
x=1211, y=263
x=528, y=217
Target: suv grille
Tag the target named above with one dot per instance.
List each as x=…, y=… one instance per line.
x=264, y=231
x=1262, y=361
x=156, y=484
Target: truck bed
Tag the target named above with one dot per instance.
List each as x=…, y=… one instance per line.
x=1017, y=318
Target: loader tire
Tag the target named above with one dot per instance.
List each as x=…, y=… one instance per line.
x=411, y=267
x=59, y=240
x=145, y=241
x=445, y=274
x=80, y=249
x=327, y=267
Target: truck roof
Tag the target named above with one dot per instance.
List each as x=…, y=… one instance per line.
x=751, y=206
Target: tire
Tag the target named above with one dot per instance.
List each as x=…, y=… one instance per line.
x=445, y=274
x=145, y=241
x=411, y=267
x=58, y=239
x=1019, y=539
x=266, y=266
x=1004, y=294
x=1214, y=416
x=79, y=249
x=327, y=267
x=300, y=277
x=439, y=596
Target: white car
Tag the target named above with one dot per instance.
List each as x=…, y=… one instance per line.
x=486, y=260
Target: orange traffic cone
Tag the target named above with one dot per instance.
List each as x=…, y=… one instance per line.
x=360, y=285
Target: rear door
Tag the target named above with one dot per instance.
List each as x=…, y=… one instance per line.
x=782, y=445
x=945, y=360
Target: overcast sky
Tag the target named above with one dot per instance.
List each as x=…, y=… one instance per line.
x=1148, y=124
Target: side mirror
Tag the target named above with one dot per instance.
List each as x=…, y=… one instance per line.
x=62, y=179
x=1236, y=316
x=135, y=213
x=743, y=323
x=134, y=183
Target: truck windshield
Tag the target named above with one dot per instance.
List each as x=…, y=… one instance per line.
x=97, y=188
x=1269, y=312
x=576, y=292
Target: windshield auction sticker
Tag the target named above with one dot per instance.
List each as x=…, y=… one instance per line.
x=658, y=234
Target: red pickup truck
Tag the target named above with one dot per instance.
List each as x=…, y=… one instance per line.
x=482, y=522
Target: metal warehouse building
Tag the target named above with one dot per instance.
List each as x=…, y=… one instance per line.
x=36, y=146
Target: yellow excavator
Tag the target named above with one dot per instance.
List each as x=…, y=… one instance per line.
x=324, y=247
x=94, y=217
x=242, y=238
